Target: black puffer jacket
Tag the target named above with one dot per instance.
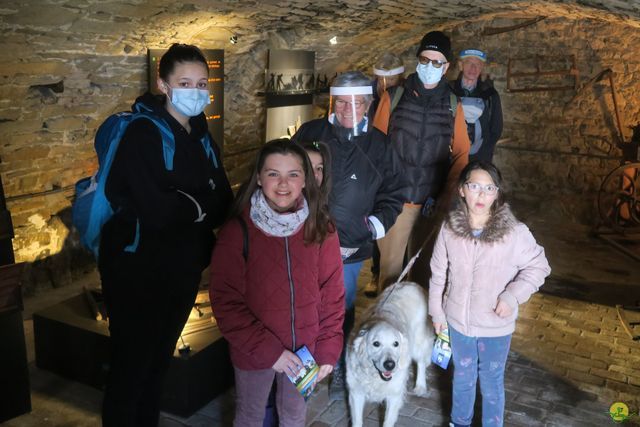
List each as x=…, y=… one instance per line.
x=490, y=120
x=420, y=129
x=366, y=181
x=141, y=190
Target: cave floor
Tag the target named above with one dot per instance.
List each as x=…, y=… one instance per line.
x=570, y=358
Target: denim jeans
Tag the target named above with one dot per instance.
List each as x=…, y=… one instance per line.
x=475, y=357
x=351, y=273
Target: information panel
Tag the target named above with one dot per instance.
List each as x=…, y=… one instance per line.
x=290, y=84
x=213, y=111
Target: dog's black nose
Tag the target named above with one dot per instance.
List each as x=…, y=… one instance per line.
x=389, y=365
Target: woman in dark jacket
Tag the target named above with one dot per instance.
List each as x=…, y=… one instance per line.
x=155, y=247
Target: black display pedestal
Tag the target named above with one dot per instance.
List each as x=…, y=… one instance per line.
x=14, y=373
x=71, y=343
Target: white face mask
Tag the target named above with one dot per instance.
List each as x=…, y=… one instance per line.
x=429, y=74
x=189, y=101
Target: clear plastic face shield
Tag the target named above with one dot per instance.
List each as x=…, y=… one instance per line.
x=348, y=108
x=387, y=78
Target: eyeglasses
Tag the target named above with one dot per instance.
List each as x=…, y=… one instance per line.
x=488, y=189
x=340, y=103
x=435, y=62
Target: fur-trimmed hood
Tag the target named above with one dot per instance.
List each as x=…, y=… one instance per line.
x=499, y=225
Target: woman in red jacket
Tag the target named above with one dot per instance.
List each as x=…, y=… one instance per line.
x=277, y=286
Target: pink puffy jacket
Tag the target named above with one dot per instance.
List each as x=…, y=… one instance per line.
x=469, y=274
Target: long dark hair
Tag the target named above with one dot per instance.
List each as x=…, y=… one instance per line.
x=322, y=149
x=179, y=53
x=493, y=172
x=318, y=223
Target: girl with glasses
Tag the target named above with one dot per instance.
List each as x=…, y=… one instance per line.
x=484, y=265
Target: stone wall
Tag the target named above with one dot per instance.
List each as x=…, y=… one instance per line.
x=68, y=64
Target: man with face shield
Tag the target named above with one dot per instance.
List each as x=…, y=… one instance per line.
x=427, y=128
x=481, y=104
x=368, y=188
x=347, y=108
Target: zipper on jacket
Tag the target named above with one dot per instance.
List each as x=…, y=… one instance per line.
x=475, y=250
x=291, y=293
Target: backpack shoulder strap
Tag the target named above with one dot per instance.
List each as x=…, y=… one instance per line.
x=245, y=238
x=168, y=142
x=209, y=150
x=453, y=100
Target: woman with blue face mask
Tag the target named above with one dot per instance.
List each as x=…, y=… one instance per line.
x=167, y=215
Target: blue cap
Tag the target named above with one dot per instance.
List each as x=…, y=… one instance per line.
x=476, y=53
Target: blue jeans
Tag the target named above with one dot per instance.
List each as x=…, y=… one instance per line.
x=475, y=357
x=351, y=273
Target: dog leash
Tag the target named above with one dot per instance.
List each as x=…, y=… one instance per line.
x=405, y=271
x=403, y=274
x=413, y=260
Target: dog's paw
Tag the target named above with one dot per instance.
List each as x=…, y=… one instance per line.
x=420, y=391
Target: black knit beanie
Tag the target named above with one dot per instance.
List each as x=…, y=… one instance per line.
x=436, y=40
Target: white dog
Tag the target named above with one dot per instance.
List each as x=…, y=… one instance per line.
x=393, y=332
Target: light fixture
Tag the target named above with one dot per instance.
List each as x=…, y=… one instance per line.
x=233, y=39
x=333, y=40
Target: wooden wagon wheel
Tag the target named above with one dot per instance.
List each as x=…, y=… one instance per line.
x=626, y=325
x=619, y=199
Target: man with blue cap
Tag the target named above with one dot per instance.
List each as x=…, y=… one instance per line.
x=481, y=104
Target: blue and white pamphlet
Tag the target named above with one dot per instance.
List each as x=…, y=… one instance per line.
x=306, y=378
x=442, y=350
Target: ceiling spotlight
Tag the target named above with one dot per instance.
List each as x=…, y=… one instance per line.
x=233, y=39
x=333, y=40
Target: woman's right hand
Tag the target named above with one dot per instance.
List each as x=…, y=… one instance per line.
x=288, y=363
x=439, y=327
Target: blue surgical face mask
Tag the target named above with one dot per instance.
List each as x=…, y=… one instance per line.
x=429, y=74
x=189, y=101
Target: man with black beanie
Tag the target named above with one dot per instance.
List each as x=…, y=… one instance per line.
x=428, y=130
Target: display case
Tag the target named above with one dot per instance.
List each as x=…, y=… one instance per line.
x=70, y=342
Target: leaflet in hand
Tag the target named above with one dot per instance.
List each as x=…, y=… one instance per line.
x=442, y=350
x=306, y=378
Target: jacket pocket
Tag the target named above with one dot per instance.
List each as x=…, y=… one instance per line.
x=455, y=312
x=488, y=318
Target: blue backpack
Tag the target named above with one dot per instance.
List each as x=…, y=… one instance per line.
x=91, y=209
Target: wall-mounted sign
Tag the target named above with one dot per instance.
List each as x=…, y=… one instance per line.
x=213, y=111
